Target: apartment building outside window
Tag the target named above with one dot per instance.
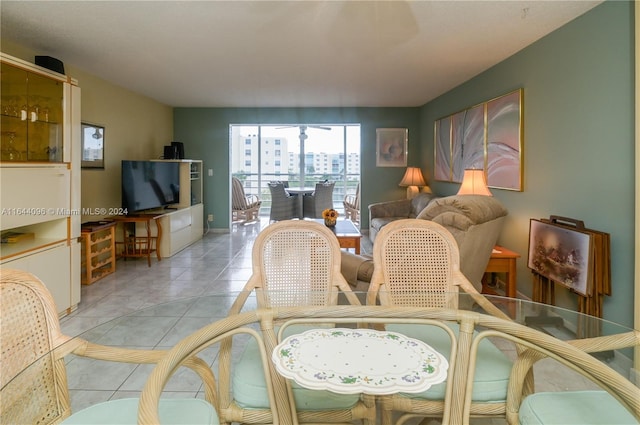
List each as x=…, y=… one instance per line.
x=328, y=152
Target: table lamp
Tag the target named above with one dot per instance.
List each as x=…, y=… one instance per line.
x=474, y=182
x=412, y=179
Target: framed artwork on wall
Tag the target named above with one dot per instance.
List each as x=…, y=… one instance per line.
x=391, y=147
x=92, y=146
x=443, y=160
x=504, y=141
x=487, y=136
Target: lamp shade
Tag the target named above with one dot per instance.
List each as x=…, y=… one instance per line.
x=413, y=177
x=474, y=182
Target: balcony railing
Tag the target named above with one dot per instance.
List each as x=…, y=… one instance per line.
x=257, y=184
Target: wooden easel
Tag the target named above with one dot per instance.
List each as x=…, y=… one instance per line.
x=590, y=303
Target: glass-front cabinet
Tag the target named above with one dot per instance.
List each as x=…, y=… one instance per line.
x=32, y=116
x=40, y=177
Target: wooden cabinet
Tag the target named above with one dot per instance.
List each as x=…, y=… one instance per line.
x=98, y=251
x=40, y=176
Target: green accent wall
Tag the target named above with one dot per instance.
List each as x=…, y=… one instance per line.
x=578, y=140
x=205, y=133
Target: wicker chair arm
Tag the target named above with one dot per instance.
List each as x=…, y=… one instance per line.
x=350, y=200
x=252, y=199
x=126, y=355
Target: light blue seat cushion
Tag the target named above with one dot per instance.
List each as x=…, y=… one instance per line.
x=492, y=366
x=125, y=411
x=573, y=408
x=250, y=389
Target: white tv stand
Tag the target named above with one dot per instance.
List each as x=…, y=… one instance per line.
x=183, y=223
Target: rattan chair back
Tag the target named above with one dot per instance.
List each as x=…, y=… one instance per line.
x=297, y=262
x=29, y=331
x=417, y=264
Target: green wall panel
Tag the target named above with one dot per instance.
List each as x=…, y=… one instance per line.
x=578, y=138
x=205, y=133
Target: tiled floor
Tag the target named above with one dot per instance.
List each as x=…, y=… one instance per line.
x=220, y=262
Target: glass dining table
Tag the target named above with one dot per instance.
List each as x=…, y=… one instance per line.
x=167, y=326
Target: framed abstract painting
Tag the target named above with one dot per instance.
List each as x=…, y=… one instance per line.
x=391, y=147
x=487, y=136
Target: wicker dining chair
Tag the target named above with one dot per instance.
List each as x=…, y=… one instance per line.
x=416, y=264
x=295, y=263
x=320, y=200
x=283, y=205
x=33, y=382
x=243, y=207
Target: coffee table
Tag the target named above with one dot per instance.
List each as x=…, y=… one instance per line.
x=347, y=233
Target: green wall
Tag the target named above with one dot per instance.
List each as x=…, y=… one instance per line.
x=205, y=133
x=578, y=138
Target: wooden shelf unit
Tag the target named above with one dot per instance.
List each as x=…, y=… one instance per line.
x=98, y=257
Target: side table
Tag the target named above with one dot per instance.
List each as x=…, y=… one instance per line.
x=502, y=261
x=139, y=246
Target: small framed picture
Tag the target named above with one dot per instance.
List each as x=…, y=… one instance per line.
x=92, y=146
x=391, y=147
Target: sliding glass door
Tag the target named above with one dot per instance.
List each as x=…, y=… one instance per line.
x=300, y=154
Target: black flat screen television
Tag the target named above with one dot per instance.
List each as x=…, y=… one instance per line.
x=149, y=185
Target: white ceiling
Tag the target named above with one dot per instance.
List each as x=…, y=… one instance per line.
x=284, y=53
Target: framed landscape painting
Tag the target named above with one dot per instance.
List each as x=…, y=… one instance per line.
x=561, y=254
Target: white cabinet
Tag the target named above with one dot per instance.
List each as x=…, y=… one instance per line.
x=197, y=222
x=40, y=177
x=176, y=228
x=52, y=265
x=34, y=194
x=184, y=223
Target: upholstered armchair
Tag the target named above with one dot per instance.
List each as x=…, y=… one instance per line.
x=475, y=222
x=382, y=213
